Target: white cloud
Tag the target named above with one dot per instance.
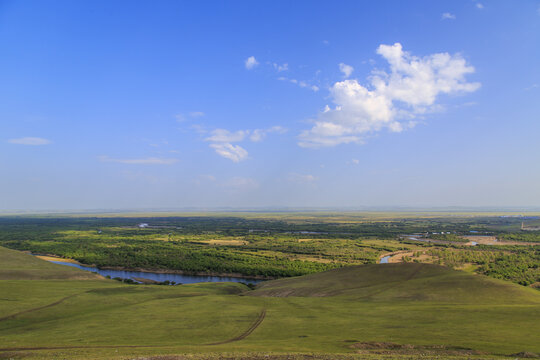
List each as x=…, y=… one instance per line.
x=196, y=114
x=33, y=141
x=392, y=101
x=251, y=62
x=281, y=68
x=301, y=178
x=141, y=161
x=300, y=83
x=479, y=6
x=346, y=69
x=355, y=161
x=222, y=141
x=241, y=183
x=259, y=134
x=448, y=16
x=229, y=151
x=222, y=135
x=190, y=115
x=326, y=42
x=207, y=177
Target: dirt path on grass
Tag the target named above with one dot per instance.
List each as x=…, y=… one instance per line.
x=38, y=308
x=242, y=336
x=246, y=333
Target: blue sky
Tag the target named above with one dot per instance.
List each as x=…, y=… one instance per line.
x=175, y=104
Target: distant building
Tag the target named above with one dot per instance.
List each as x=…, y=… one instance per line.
x=143, y=225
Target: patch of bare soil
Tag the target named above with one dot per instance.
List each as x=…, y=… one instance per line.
x=57, y=258
x=252, y=356
x=397, y=256
x=408, y=349
x=491, y=240
x=526, y=355
x=11, y=355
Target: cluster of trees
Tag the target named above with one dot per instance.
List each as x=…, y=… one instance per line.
x=514, y=263
x=276, y=247
x=532, y=237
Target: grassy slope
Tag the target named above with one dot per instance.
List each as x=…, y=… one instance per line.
x=15, y=265
x=401, y=303
x=402, y=282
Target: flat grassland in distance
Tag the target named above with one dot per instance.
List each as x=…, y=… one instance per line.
x=394, y=311
x=274, y=245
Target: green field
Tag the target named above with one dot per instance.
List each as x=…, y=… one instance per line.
x=274, y=245
x=373, y=311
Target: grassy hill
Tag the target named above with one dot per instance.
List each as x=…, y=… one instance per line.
x=397, y=311
x=15, y=265
x=401, y=282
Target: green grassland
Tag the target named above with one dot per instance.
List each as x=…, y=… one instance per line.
x=275, y=245
x=399, y=311
x=16, y=265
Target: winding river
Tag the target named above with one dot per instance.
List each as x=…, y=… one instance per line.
x=159, y=277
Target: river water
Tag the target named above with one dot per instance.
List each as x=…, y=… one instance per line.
x=177, y=278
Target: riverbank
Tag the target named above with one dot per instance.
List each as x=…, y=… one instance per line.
x=57, y=259
x=53, y=258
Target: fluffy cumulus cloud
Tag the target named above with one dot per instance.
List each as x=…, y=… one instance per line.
x=222, y=141
x=251, y=62
x=392, y=100
x=346, y=69
x=33, y=141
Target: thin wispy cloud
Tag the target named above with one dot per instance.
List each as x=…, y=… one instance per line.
x=196, y=114
x=300, y=83
x=31, y=141
x=236, y=153
x=251, y=62
x=448, y=16
x=479, y=6
x=392, y=100
x=282, y=67
x=223, y=135
x=241, y=183
x=189, y=116
x=140, y=161
x=301, y=178
x=259, y=134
